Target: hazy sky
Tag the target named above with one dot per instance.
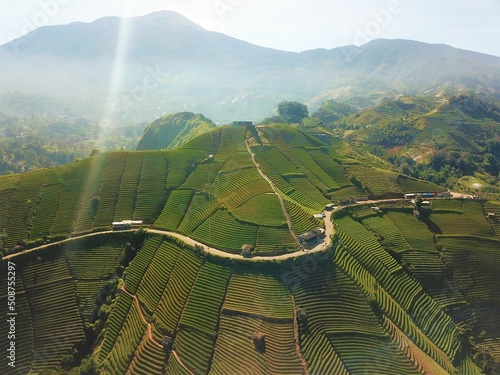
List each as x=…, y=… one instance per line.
x=293, y=25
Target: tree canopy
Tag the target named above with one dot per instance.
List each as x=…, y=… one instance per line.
x=292, y=111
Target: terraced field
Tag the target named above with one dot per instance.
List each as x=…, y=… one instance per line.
x=393, y=295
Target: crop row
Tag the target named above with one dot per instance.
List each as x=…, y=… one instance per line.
x=264, y=209
x=127, y=196
x=223, y=231
x=176, y=293
x=181, y=162
x=301, y=220
x=376, y=182
x=130, y=335
x=140, y=263
x=90, y=195
x=415, y=231
x=177, y=204
x=149, y=358
x=235, y=352
x=151, y=195
x=156, y=276
x=271, y=240
x=23, y=207
x=70, y=200
x=331, y=167
x=49, y=202
x=259, y=294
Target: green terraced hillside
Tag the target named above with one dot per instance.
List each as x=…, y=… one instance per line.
x=392, y=294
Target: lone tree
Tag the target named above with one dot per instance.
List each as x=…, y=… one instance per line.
x=292, y=112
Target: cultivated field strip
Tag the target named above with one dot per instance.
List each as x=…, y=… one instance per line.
x=23, y=207
x=199, y=323
x=235, y=352
x=177, y=204
x=24, y=329
x=151, y=195
x=331, y=167
x=201, y=208
x=91, y=196
x=224, y=232
x=140, y=264
x=70, y=200
x=109, y=190
x=156, y=276
x=49, y=202
x=128, y=339
x=258, y=295
x=127, y=196
x=174, y=297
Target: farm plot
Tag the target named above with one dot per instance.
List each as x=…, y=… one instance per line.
x=90, y=197
x=235, y=350
x=149, y=358
x=412, y=185
x=475, y=263
x=338, y=315
x=126, y=342
x=51, y=345
x=331, y=167
x=303, y=188
x=203, y=176
x=376, y=182
x=173, y=300
x=141, y=262
x=258, y=294
x=238, y=160
x=224, y=232
x=23, y=207
x=110, y=189
x=232, y=139
x=181, y=163
x=24, y=328
x=177, y=204
x=264, y=209
x=471, y=223
x=302, y=221
x=49, y=202
x=390, y=235
x=128, y=188
x=201, y=208
x=415, y=231
x=315, y=173
x=272, y=240
x=156, y=276
x=200, y=318
x=151, y=196
x=69, y=202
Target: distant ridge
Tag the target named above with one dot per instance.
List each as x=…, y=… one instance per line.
x=208, y=72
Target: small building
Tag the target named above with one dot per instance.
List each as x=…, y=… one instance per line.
x=308, y=238
x=312, y=236
x=490, y=215
x=168, y=343
x=126, y=224
x=375, y=209
x=318, y=216
x=246, y=250
x=416, y=213
x=426, y=203
x=320, y=232
x=329, y=207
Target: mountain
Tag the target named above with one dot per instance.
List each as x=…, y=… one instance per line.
x=384, y=291
x=173, y=130
x=144, y=67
